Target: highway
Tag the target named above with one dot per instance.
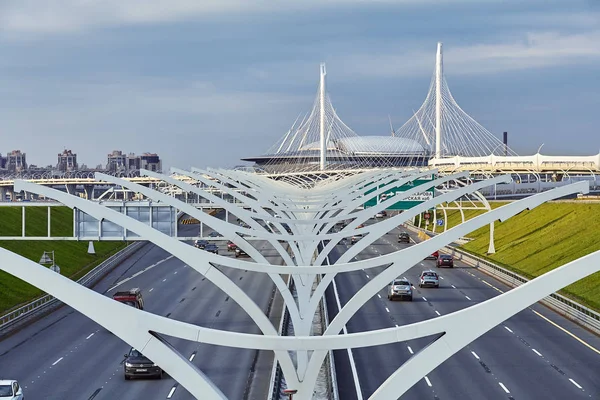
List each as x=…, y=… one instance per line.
x=67, y=356
x=536, y=354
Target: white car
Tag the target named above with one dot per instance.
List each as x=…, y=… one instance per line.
x=10, y=390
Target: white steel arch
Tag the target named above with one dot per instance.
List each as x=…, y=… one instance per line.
x=299, y=206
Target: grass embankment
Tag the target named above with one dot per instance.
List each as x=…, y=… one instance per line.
x=537, y=241
x=70, y=256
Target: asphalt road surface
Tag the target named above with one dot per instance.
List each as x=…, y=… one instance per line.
x=537, y=354
x=67, y=356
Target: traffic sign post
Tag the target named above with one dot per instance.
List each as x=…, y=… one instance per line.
x=406, y=203
x=440, y=222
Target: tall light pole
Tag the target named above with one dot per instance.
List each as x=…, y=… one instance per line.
x=438, y=100
x=322, y=118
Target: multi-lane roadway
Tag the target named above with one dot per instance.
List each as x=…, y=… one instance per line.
x=67, y=356
x=536, y=354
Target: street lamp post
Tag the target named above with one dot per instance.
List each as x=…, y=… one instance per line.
x=290, y=393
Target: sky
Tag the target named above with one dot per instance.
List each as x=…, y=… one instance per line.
x=205, y=83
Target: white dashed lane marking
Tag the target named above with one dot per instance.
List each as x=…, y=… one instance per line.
x=537, y=352
x=475, y=354
x=428, y=382
x=437, y=312
x=410, y=350
x=468, y=298
x=575, y=383
x=503, y=387
x=171, y=392
x=508, y=329
x=89, y=336
x=56, y=362
x=150, y=290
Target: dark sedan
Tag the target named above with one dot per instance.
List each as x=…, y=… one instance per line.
x=403, y=238
x=212, y=248
x=445, y=260
x=138, y=365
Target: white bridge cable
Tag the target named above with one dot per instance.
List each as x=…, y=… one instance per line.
x=461, y=135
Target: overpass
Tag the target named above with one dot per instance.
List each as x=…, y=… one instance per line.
x=353, y=277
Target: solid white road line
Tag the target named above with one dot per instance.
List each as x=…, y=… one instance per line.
x=171, y=392
x=57, y=361
x=508, y=329
x=89, y=336
x=537, y=352
x=475, y=354
x=410, y=350
x=428, y=382
x=575, y=383
x=503, y=387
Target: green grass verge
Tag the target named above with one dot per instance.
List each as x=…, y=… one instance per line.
x=71, y=256
x=537, y=241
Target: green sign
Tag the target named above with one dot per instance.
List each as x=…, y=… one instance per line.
x=406, y=203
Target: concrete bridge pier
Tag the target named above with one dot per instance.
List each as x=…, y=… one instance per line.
x=89, y=191
x=71, y=189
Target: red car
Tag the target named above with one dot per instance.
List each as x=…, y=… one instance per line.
x=433, y=256
x=231, y=246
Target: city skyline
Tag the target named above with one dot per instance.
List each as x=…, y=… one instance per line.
x=195, y=79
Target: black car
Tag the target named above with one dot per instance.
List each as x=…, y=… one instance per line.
x=240, y=252
x=201, y=244
x=445, y=260
x=212, y=248
x=138, y=365
x=214, y=234
x=403, y=237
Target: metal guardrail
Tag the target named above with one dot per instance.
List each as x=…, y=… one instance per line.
x=571, y=309
x=47, y=302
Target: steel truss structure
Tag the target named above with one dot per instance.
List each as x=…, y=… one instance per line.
x=268, y=207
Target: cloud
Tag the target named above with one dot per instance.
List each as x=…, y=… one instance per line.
x=532, y=50
x=59, y=16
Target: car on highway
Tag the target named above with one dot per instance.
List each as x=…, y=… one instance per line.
x=433, y=256
x=400, y=288
x=200, y=243
x=429, y=279
x=214, y=234
x=403, y=237
x=240, y=252
x=445, y=260
x=132, y=297
x=10, y=390
x=355, y=238
x=231, y=246
x=212, y=248
x=138, y=365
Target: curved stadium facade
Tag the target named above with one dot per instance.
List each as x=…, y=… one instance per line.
x=347, y=153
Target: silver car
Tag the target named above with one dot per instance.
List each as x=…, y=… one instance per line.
x=429, y=278
x=400, y=288
x=10, y=390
